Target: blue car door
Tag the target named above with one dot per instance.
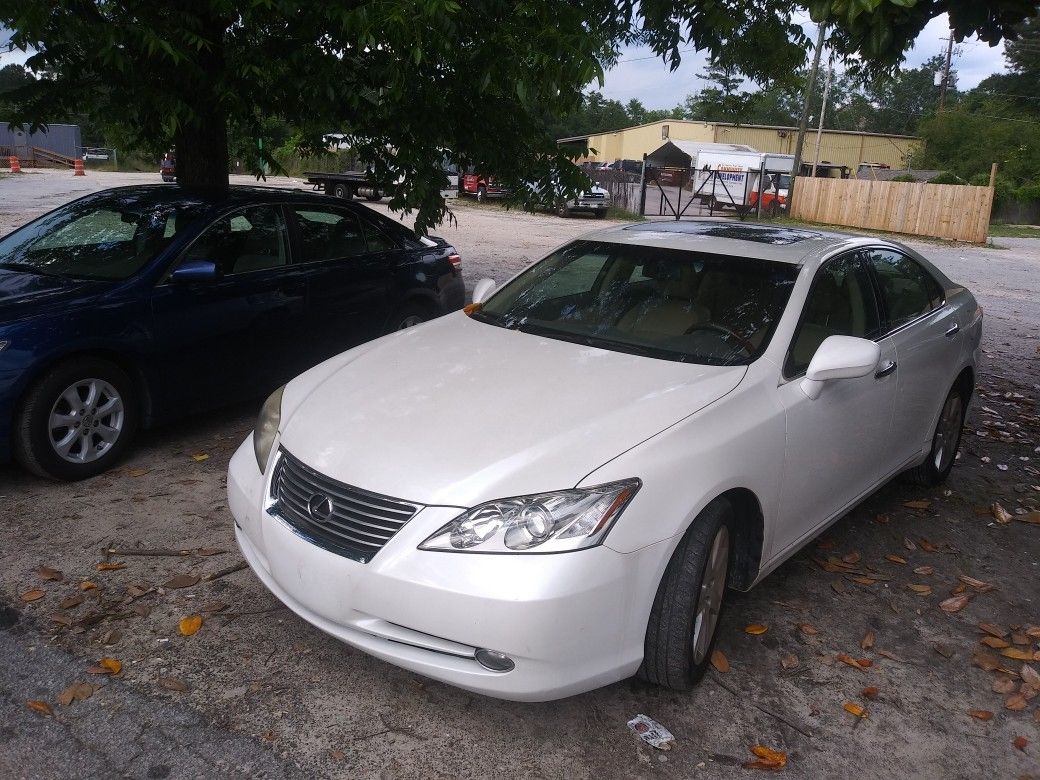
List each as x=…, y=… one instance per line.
x=236, y=336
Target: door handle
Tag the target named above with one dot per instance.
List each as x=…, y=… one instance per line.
x=952, y=330
x=886, y=368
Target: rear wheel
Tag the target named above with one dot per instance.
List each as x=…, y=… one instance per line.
x=945, y=441
x=562, y=210
x=683, y=622
x=408, y=316
x=481, y=193
x=342, y=191
x=76, y=420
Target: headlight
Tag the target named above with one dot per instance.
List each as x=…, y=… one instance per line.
x=267, y=427
x=541, y=523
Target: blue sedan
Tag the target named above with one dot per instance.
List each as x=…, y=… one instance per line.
x=137, y=305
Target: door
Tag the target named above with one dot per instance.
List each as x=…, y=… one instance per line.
x=236, y=336
x=350, y=280
x=835, y=442
x=924, y=331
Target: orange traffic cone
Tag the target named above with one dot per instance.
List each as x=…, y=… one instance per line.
x=79, y=168
x=15, y=167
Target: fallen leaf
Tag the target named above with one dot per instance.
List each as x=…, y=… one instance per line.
x=181, y=581
x=112, y=637
x=985, y=661
x=190, y=625
x=87, y=585
x=838, y=586
x=955, y=604
x=889, y=654
x=979, y=585
x=755, y=629
x=33, y=595
x=214, y=606
x=1029, y=517
x=981, y=714
x=1015, y=702
x=917, y=504
x=1030, y=675
x=1004, y=685
x=1018, y=655
x=958, y=589
x=47, y=573
x=1020, y=743
x=1019, y=639
x=896, y=559
x=908, y=543
x=767, y=758
x=111, y=566
x=41, y=707
x=850, y=661
x=925, y=571
x=719, y=661
x=852, y=558
x=137, y=471
x=864, y=580
x=61, y=619
x=927, y=546
x=870, y=693
x=789, y=661
x=944, y=650
x=198, y=457
x=78, y=691
x=854, y=709
x=72, y=601
x=922, y=590
x=1000, y=514
x=172, y=684
x=997, y=631
x=808, y=628
x=868, y=640
x=111, y=665
x=996, y=644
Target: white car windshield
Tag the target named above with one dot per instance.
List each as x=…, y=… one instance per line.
x=666, y=303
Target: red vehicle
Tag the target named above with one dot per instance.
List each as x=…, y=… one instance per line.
x=483, y=187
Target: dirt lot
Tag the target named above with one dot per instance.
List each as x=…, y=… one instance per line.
x=256, y=692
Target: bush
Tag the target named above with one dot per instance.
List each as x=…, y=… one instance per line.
x=947, y=178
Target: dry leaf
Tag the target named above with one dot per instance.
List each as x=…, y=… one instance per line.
x=767, y=758
x=137, y=471
x=996, y=644
x=1029, y=517
x=850, y=661
x=997, y=631
x=198, y=457
x=870, y=693
x=755, y=629
x=181, y=581
x=981, y=714
x=1030, y=675
x=87, y=585
x=1015, y=702
x=1000, y=514
x=789, y=661
x=868, y=640
x=864, y=580
x=890, y=655
x=1020, y=742
x=896, y=559
x=855, y=709
x=107, y=666
x=917, y=504
x=53, y=575
x=921, y=590
x=838, y=586
x=214, y=606
x=985, y=661
x=190, y=625
x=808, y=628
x=1019, y=639
x=943, y=650
x=719, y=661
x=1018, y=655
x=955, y=604
x=958, y=589
x=852, y=558
x=78, y=691
x=927, y=546
x=979, y=585
x=908, y=543
x=61, y=619
x=1004, y=685
x=925, y=571
x=41, y=707
x=33, y=595
x=111, y=566
x=172, y=684
x=72, y=601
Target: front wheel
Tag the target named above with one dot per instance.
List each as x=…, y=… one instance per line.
x=481, y=193
x=76, y=420
x=408, y=316
x=681, y=631
x=945, y=441
x=342, y=191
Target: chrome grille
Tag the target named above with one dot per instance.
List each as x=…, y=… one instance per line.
x=343, y=519
x=593, y=196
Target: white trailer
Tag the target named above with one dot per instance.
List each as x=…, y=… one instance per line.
x=731, y=178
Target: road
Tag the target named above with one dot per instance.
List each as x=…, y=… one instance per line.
x=259, y=693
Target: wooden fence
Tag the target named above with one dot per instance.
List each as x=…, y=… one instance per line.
x=959, y=212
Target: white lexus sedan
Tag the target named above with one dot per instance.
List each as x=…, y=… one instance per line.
x=553, y=490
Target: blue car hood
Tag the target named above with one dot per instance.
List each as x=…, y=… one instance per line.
x=25, y=294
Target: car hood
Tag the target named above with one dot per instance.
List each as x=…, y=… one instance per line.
x=23, y=294
x=456, y=412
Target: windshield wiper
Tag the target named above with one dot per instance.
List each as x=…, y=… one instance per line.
x=27, y=269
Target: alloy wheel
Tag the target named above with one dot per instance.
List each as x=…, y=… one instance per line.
x=86, y=420
x=944, y=446
x=709, y=599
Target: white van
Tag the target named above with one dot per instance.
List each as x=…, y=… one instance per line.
x=731, y=178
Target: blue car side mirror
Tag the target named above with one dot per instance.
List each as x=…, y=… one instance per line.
x=195, y=271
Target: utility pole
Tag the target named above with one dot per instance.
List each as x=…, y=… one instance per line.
x=823, y=113
x=946, y=74
x=803, y=125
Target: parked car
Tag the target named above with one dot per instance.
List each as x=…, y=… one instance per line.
x=555, y=491
x=133, y=306
x=482, y=187
x=168, y=167
x=594, y=200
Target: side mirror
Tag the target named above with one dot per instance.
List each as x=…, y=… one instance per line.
x=839, y=357
x=195, y=271
x=482, y=290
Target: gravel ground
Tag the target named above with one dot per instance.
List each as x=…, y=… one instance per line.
x=257, y=692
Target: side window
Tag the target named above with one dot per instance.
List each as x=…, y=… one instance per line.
x=328, y=234
x=840, y=303
x=252, y=239
x=907, y=290
x=377, y=240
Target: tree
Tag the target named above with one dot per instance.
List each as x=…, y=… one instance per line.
x=411, y=80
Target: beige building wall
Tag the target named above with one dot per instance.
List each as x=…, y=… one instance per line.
x=836, y=147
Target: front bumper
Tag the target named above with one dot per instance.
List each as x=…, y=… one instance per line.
x=571, y=622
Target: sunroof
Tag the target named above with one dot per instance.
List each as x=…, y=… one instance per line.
x=762, y=234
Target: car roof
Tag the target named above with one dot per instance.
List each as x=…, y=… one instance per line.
x=726, y=237
x=236, y=194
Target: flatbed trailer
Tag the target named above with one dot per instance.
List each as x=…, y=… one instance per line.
x=348, y=185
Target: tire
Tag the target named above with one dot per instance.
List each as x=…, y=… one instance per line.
x=678, y=645
x=37, y=439
x=342, y=191
x=481, y=193
x=946, y=439
x=562, y=210
x=408, y=316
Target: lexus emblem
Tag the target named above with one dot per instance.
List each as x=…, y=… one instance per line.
x=319, y=507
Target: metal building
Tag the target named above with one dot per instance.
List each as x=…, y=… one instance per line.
x=55, y=145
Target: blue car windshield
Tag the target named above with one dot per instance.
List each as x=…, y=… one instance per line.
x=108, y=238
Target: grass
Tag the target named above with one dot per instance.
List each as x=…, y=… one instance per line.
x=1014, y=231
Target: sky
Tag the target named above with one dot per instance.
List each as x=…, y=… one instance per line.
x=641, y=75
x=645, y=77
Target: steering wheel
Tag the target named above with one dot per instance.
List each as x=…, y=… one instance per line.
x=742, y=342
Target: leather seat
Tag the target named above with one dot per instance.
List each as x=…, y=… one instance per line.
x=670, y=310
